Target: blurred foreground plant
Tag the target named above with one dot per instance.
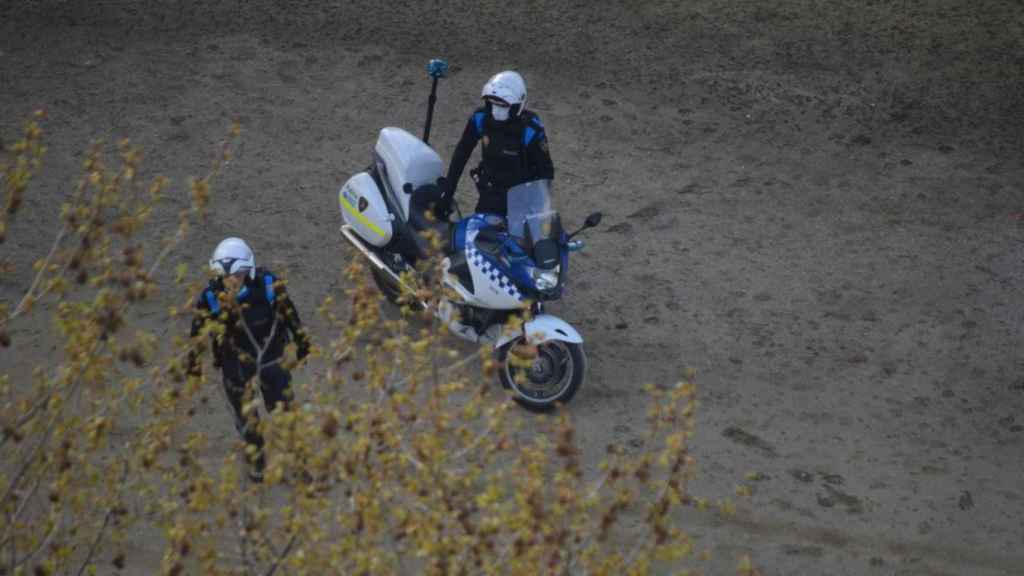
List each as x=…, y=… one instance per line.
x=392, y=461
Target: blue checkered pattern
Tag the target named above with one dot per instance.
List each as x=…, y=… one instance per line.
x=486, y=266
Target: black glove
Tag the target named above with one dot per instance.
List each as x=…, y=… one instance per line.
x=443, y=206
x=442, y=210
x=302, y=350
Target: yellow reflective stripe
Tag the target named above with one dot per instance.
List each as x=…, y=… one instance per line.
x=359, y=215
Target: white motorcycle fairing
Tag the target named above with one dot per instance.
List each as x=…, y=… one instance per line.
x=492, y=287
x=364, y=209
x=543, y=328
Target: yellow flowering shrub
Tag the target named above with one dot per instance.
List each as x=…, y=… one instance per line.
x=392, y=461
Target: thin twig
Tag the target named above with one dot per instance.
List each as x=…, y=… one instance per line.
x=23, y=304
x=13, y=548
x=243, y=535
x=96, y=541
x=30, y=414
x=266, y=542
x=583, y=545
x=73, y=389
x=29, y=459
x=42, y=544
x=178, y=237
x=106, y=521
x=21, y=508
x=448, y=368
x=663, y=493
x=284, y=554
x=260, y=350
x=476, y=441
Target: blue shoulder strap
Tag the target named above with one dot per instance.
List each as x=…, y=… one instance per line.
x=533, y=128
x=211, y=301
x=268, y=283
x=478, y=121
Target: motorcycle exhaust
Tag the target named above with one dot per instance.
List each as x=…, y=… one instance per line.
x=351, y=236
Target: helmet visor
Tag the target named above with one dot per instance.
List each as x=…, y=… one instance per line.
x=496, y=101
x=232, y=266
x=500, y=109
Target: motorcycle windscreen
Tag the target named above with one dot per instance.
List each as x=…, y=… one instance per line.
x=533, y=221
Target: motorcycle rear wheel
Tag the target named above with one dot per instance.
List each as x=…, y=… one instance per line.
x=391, y=290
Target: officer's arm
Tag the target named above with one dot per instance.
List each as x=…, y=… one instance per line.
x=286, y=308
x=463, y=150
x=199, y=316
x=540, y=157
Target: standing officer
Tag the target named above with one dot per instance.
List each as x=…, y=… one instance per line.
x=514, y=146
x=258, y=320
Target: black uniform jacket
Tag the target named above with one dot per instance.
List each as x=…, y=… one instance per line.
x=263, y=306
x=512, y=152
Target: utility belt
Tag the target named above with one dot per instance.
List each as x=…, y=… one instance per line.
x=480, y=178
x=487, y=183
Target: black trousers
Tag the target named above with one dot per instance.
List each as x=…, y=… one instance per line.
x=492, y=200
x=274, y=385
x=493, y=197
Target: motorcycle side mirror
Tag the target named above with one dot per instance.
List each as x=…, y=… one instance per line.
x=591, y=221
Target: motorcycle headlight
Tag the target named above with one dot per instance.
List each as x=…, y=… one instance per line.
x=545, y=279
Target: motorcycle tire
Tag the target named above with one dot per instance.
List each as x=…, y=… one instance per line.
x=391, y=290
x=564, y=363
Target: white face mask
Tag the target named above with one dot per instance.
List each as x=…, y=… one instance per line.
x=499, y=113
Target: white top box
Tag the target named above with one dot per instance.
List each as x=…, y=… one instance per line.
x=407, y=159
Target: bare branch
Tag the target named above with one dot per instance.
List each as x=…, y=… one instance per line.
x=42, y=544
x=24, y=503
x=243, y=539
x=27, y=464
x=106, y=521
x=475, y=442
x=466, y=360
x=23, y=304
x=45, y=399
x=284, y=554
x=95, y=542
x=171, y=245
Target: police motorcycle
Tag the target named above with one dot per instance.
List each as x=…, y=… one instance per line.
x=494, y=269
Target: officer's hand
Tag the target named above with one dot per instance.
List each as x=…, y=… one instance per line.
x=442, y=210
x=302, y=353
x=445, y=186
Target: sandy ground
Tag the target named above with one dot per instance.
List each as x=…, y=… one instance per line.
x=809, y=203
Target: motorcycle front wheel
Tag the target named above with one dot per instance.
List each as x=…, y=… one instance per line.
x=551, y=377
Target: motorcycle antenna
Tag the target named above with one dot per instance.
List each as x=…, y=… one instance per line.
x=436, y=69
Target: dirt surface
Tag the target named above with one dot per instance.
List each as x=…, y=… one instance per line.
x=810, y=203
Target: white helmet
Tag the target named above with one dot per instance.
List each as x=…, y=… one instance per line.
x=231, y=256
x=505, y=95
